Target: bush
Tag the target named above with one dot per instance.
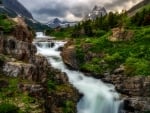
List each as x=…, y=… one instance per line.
x=99, y=33
x=51, y=85
x=8, y=108
x=68, y=107
x=113, y=59
x=6, y=25
x=3, y=16
x=95, y=68
x=80, y=55
x=136, y=66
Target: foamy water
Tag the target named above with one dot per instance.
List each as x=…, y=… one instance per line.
x=98, y=97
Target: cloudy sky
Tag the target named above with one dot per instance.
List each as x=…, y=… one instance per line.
x=71, y=10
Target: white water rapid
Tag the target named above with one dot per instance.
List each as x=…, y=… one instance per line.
x=98, y=97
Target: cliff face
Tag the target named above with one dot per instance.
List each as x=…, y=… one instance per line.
x=18, y=60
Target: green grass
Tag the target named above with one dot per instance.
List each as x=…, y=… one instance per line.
x=60, y=34
x=68, y=107
x=6, y=24
x=8, y=108
x=12, y=95
x=134, y=54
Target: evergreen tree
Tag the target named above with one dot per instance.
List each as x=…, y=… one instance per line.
x=146, y=20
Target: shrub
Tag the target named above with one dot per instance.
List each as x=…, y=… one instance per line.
x=8, y=108
x=68, y=107
x=99, y=33
x=51, y=85
x=6, y=25
x=80, y=55
x=136, y=66
x=113, y=59
x=89, y=66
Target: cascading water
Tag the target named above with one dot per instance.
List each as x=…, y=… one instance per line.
x=98, y=97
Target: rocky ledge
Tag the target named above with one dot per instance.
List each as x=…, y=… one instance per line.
x=18, y=59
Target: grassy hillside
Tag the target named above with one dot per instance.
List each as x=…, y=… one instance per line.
x=96, y=53
x=13, y=100
x=138, y=6
x=133, y=54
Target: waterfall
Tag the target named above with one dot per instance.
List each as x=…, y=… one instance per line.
x=98, y=97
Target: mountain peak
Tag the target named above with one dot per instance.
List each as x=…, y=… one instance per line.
x=97, y=11
x=56, y=20
x=98, y=8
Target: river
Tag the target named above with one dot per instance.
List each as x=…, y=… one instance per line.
x=98, y=97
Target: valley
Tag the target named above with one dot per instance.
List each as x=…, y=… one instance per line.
x=97, y=65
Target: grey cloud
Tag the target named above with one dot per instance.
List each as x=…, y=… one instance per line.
x=48, y=9
x=59, y=12
x=80, y=10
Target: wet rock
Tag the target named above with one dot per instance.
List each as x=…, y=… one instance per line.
x=137, y=104
x=69, y=56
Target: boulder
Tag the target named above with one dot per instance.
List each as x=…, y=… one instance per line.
x=69, y=55
x=120, y=34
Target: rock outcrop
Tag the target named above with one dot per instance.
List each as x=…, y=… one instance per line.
x=69, y=55
x=18, y=49
x=18, y=59
x=25, y=34
x=120, y=34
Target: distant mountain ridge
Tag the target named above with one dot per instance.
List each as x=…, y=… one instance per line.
x=17, y=7
x=54, y=23
x=135, y=8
